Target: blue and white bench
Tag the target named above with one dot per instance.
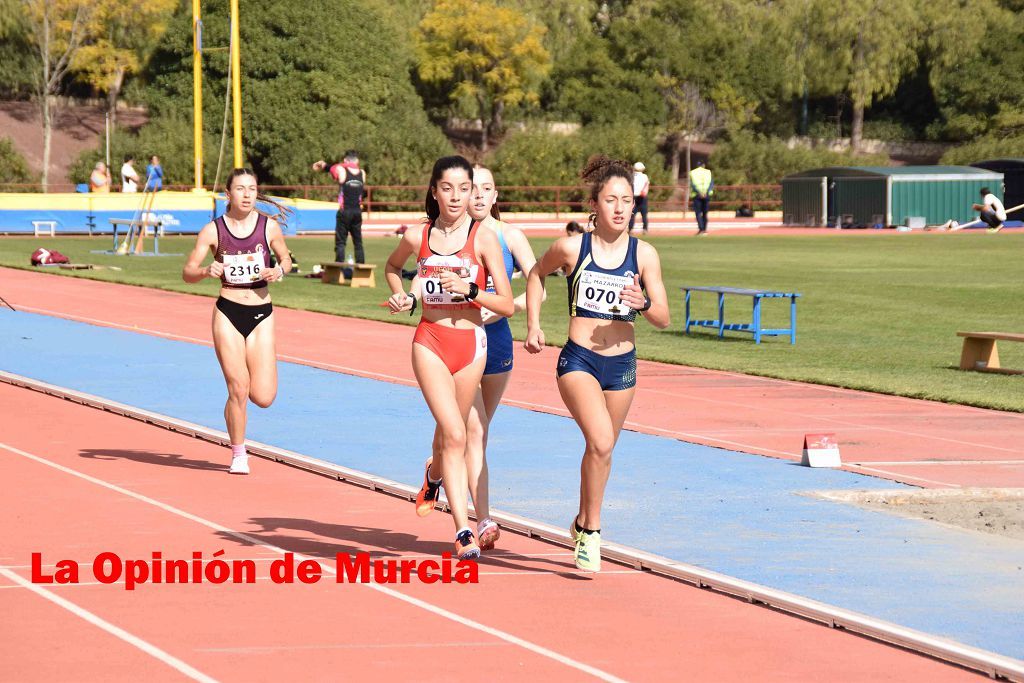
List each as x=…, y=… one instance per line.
x=754, y=327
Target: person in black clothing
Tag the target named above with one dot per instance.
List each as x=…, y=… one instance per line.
x=351, y=190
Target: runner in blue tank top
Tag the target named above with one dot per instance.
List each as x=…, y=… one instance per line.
x=516, y=252
x=611, y=277
x=243, y=319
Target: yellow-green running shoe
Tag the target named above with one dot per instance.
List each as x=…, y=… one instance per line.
x=588, y=551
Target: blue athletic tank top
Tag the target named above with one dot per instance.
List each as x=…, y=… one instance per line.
x=506, y=256
x=594, y=291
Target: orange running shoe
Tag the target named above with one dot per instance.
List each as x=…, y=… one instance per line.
x=429, y=493
x=465, y=546
x=488, y=532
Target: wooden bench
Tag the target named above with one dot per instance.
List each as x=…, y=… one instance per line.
x=362, y=274
x=754, y=327
x=981, y=353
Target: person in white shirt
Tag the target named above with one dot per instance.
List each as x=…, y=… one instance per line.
x=641, y=185
x=129, y=178
x=991, y=209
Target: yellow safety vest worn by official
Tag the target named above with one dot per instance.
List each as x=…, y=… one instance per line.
x=700, y=182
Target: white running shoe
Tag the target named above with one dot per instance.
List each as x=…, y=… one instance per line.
x=239, y=464
x=487, y=533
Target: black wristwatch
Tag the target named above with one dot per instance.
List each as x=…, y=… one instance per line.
x=412, y=295
x=474, y=289
x=647, y=304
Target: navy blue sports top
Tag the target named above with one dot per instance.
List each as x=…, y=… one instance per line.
x=594, y=291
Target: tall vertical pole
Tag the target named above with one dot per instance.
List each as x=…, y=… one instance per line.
x=236, y=84
x=197, y=94
x=106, y=127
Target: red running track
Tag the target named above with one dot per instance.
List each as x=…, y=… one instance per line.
x=924, y=443
x=105, y=483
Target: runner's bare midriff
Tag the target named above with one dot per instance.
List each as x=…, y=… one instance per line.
x=462, y=319
x=603, y=337
x=246, y=297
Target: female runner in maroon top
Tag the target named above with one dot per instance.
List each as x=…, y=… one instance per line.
x=243, y=319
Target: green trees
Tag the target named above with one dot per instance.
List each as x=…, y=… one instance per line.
x=57, y=29
x=16, y=64
x=976, y=76
x=865, y=48
x=485, y=57
x=13, y=167
x=647, y=77
x=319, y=77
x=120, y=39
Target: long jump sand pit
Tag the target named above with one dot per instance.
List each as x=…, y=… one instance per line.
x=991, y=510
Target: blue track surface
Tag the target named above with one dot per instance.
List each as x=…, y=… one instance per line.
x=729, y=512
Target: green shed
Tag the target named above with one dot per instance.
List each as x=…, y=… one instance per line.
x=805, y=199
x=890, y=195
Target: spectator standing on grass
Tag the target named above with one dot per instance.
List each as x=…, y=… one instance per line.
x=351, y=192
x=99, y=179
x=701, y=188
x=641, y=186
x=154, y=175
x=129, y=178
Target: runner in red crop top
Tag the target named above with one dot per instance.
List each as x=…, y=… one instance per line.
x=449, y=348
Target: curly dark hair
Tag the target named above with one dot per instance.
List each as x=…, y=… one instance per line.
x=600, y=169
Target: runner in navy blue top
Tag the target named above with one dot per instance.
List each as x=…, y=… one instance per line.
x=612, y=277
x=243, y=319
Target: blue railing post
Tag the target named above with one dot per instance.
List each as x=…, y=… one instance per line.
x=721, y=314
x=757, y=319
x=792, y=319
x=687, y=330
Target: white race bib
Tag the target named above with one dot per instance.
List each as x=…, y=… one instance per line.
x=242, y=269
x=599, y=293
x=430, y=279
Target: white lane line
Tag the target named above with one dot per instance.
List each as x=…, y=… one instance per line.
x=886, y=474
x=901, y=463
x=267, y=649
x=116, y=631
x=422, y=604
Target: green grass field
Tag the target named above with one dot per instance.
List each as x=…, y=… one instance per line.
x=879, y=312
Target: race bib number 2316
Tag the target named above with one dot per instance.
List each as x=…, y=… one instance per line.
x=241, y=269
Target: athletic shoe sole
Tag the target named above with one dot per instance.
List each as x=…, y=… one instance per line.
x=423, y=507
x=489, y=537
